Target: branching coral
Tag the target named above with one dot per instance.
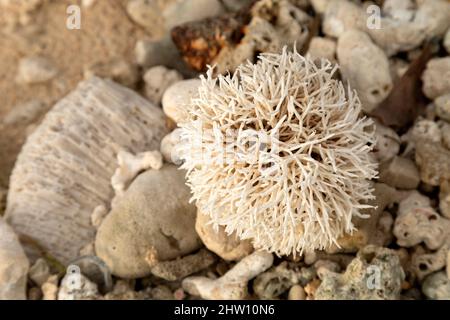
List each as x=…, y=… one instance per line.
x=278, y=152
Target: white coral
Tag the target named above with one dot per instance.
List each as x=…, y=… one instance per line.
x=300, y=184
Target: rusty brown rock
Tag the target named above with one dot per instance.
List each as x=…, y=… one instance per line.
x=199, y=42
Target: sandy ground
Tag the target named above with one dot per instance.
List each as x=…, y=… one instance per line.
x=106, y=33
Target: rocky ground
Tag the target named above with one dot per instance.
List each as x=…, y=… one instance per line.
x=96, y=198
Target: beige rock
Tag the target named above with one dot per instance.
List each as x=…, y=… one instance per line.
x=433, y=161
x=25, y=113
x=182, y=11
x=433, y=17
x=420, y=223
x=297, y=293
x=75, y=286
x=144, y=13
x=443, y=107
x=50, y=288
x=448, y=264
x=320, y=47
x=320, y=6
x=437, y=286
x=447, y=41
x=152, y=222
x=388, y=143
x=98, y=215
x=365, y=66
x=180, y=268
x=36, y=69
x=228, y=247
x=170, y=147
x=131, y=165
x=177, y=96
x=445, y=133
x=13, y=265
x=39, y=272
x=118, y=70
x=400, y=173
x=232, y=285
x=423, y=264
x=341, y=16
x=425, y=129
x=157, y=79
x=436, y=77
x=64, y=170
x=444, y=199
x=368, y=230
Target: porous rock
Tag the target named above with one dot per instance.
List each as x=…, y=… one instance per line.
x=375, y=274
x=177, y=96
x=152, y=222
x=228, y=247
x=437, y=286
x=13, y=265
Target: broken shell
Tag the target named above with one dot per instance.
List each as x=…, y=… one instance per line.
x=59, y=178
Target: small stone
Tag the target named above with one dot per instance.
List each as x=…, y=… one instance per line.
x=444, y=199
x=177, y=96
x=437, y=286
x=25, y=113
x=274, y=282
x=39, y=272
x=36, y=69
x=297, y=293
x=50, y=288
x=400, y=173
x=180, y=268
x=320, y=47
x=425, y=129
x=447, y=41
x=228, y=247
x=443, y=107
x=180, y=12
x=416, y=223
x=388, y=143
x=360, y=282
x=320, y=6
x=13, y=265
x=98, y=215
x=157, y=79
x=161, y=292
x=153, y=219
x=75, y=286
x=150, y=53
x=34, y=294
x=88, y=3
x=145, y=13
x=118, y=70
x=436, y=77
x=365, y=66
x=170, y=147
